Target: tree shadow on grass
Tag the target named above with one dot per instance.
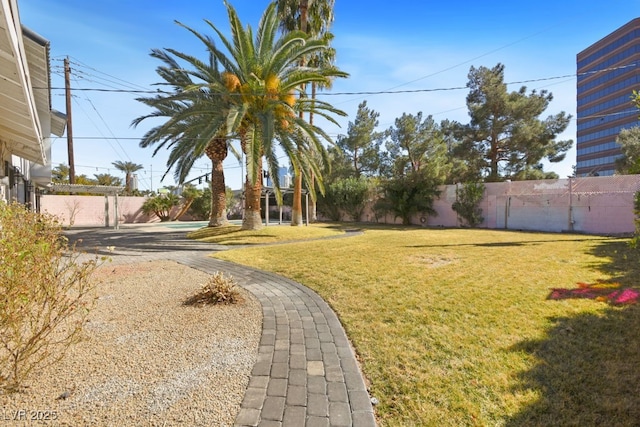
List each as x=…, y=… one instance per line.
x=623, y=263
x=503, y=244
x=588, y=366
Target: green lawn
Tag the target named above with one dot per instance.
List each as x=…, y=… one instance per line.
x=234, y=235
x=453, y=326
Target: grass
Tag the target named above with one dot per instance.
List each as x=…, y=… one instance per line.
x=453, y=326
x=233, y=235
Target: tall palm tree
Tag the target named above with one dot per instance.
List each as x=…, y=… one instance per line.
x=129, y=168
x=196, y=122
x=261, y=77
x=313, y=17
x=324, y=59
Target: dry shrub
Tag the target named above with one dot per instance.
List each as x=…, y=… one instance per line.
x=45, y=293
x=219, y=289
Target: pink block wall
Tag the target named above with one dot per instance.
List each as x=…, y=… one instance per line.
x=594, y=205
x=90, y=211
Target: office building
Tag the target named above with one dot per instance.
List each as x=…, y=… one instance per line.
x=608, y=72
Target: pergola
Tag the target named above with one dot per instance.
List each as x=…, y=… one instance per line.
x=269, y=191
x=107, y=190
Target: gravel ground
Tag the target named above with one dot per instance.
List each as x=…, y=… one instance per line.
x=147, y=359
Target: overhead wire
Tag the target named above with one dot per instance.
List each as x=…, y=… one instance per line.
x=133, y=88
x=376, y=92
x=106, y=125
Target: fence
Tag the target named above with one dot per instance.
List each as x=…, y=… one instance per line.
x=594, y=205
x=95, y=211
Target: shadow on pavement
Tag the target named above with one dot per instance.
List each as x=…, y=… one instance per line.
x=105, y=241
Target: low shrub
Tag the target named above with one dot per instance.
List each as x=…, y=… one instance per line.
x=468, y=198
x=161, y=206
x=45, y=293
x=219, y=289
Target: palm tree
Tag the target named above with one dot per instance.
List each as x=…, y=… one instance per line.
x=189, y=194
x=313, y=17
x=324, y=59
x=107, y=179
x=195, y=122
x=129, y=168
x=261, y=78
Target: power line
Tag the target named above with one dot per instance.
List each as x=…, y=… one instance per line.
x=379, y=92
x=78, y=62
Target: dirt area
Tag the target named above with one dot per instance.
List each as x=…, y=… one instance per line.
x=147, y=359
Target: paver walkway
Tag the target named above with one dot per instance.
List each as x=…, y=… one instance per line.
x=306, y=373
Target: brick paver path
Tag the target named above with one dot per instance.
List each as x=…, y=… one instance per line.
x=306, y=373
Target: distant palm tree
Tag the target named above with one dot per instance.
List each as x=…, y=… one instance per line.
x=189, y=194
x=107, y=179
x=260, y=80
x=129, y=168
x=60, y=174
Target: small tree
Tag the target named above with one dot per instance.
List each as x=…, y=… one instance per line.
x=406, y=196
x=161, y=205
x=348, y=196
x=45, y=293
x=466, y=205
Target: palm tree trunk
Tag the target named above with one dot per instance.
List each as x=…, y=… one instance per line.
x=218, y=215
x=313, y=211
x=253, y=193
x=313, y=207
x=183, y=210
x=296, y=211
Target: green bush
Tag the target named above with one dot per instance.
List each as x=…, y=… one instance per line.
x=345, y=196
x=408, y=195
x=201, y=207
x=466, y=205
x=45, y=293
x=161, y=205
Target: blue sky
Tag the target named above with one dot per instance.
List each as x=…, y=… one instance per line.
x=384, y=46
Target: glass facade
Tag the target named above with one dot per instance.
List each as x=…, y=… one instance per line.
x=608, y=72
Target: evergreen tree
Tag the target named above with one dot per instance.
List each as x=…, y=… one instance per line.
x=361, y=145
x=417, y=145
x=505, y=127
x=629, y=141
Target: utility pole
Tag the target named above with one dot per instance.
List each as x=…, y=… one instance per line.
x=67, y=91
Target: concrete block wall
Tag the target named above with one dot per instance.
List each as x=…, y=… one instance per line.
x=595, y=205
x=95, y=211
